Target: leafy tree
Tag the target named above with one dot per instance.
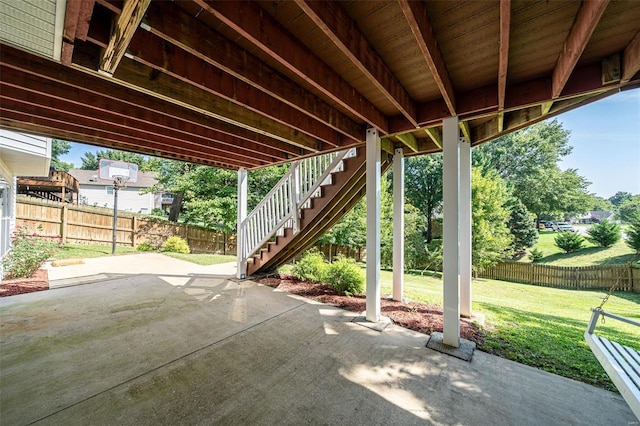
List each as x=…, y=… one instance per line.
x=629, y=209
x=619, y=198
x=350, y=231
x=491, y=239
x=605, y=233
x=633, y=234
x=553, y=192
x=522, y=227
x=59, y=148
x=90, y=160
x=599, y=203
x=528, y=161
x=519, y=154
x=423, y=186
x=569, y=242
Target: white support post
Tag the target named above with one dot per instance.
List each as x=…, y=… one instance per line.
x=398, y=224
x=373, y=225
x=295, y=195
x=465, y=228
x=242, y=215
x=451, y=259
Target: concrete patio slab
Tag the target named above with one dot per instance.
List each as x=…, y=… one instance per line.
x=173, y=348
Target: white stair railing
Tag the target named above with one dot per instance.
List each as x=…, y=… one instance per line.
x=280, y=208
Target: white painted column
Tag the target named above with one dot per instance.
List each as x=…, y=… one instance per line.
x=451, y=259
x=465, y=228
x=242, y=215
x=398, y=224
x=373, y=225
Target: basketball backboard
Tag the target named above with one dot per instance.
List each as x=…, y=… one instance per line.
x=110, y=169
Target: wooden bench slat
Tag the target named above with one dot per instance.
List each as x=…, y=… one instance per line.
x=618, y=354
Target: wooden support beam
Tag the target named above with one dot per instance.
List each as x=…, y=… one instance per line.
x=129, y=130
x=503, y=62
x=343, y=32
x=254, y=24
x=409, y=140
x=500, y=121
x=416, y=15
x=84, y=19
x=179, y=28
x=435, y=134
x=546, y=107
x=387, y=145
x=156, y=53
x=58, y=126
x=128, y=100
x=631, y=59
x=126, y=25
x=583, y=27
x=153, y=127
x=466, y=130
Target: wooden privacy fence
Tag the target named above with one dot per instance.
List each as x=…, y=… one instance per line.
x=583, y=277
x=93, y=225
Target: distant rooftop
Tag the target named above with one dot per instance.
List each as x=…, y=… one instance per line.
x=90, y=177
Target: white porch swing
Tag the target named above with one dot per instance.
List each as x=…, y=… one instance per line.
x=621, y=363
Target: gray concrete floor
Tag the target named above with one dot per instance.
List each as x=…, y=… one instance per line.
x=174, y=347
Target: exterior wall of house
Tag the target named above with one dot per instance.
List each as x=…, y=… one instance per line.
x=129, y=198
x=20, y=154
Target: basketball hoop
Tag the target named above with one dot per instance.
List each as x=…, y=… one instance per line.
x=120, y=181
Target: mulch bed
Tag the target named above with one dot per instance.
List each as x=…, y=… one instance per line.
x=419, y=317
x=37, y=282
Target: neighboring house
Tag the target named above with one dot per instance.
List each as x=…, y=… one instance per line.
x=98, y=192
x=595, y=216
x=20, y=155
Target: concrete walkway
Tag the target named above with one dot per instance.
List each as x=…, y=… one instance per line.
x=174, y=347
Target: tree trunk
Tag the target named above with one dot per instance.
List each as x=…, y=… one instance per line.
x=176, y=205
x=429, y=223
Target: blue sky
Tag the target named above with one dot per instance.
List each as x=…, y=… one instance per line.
x=605, y=137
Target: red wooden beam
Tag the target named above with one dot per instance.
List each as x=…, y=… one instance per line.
x=57, y=125
x=631, y=59
x=84, y=19
x=85, y=104
x=249, y=20
x=36, y=104
x=179, y=28
x=334, y=22
x=126, y=99
x=156, y=53
x=583, y=27
x=505, y=28
x=416, y=14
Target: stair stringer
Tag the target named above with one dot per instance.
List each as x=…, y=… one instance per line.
x=348, y=187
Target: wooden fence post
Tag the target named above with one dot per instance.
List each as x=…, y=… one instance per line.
x=63, y=224
x=134, y=230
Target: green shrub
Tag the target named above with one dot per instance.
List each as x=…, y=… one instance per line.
x=535, y=255
x=176, y=245
x=311, y=267
x=145, y=246
x=345, y=276
x=569, y=242
x=29, y=251
x=605, y=233
x=633, y=234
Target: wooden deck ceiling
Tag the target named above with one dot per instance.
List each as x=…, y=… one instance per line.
x=248, y=84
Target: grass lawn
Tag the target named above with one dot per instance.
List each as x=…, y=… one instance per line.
x=589, y=255
x=73, y=251
x=82, y=251
x=203, y=258
x=538, y=326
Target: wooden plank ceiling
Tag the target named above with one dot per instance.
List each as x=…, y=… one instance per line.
x=248, y=84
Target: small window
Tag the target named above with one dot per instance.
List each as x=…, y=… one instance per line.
x=109, y=190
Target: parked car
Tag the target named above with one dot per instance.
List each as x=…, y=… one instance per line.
x=545, y=224
x=563, y=227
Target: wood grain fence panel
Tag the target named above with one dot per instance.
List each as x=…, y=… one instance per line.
x=94, y=225
x=625, y=277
